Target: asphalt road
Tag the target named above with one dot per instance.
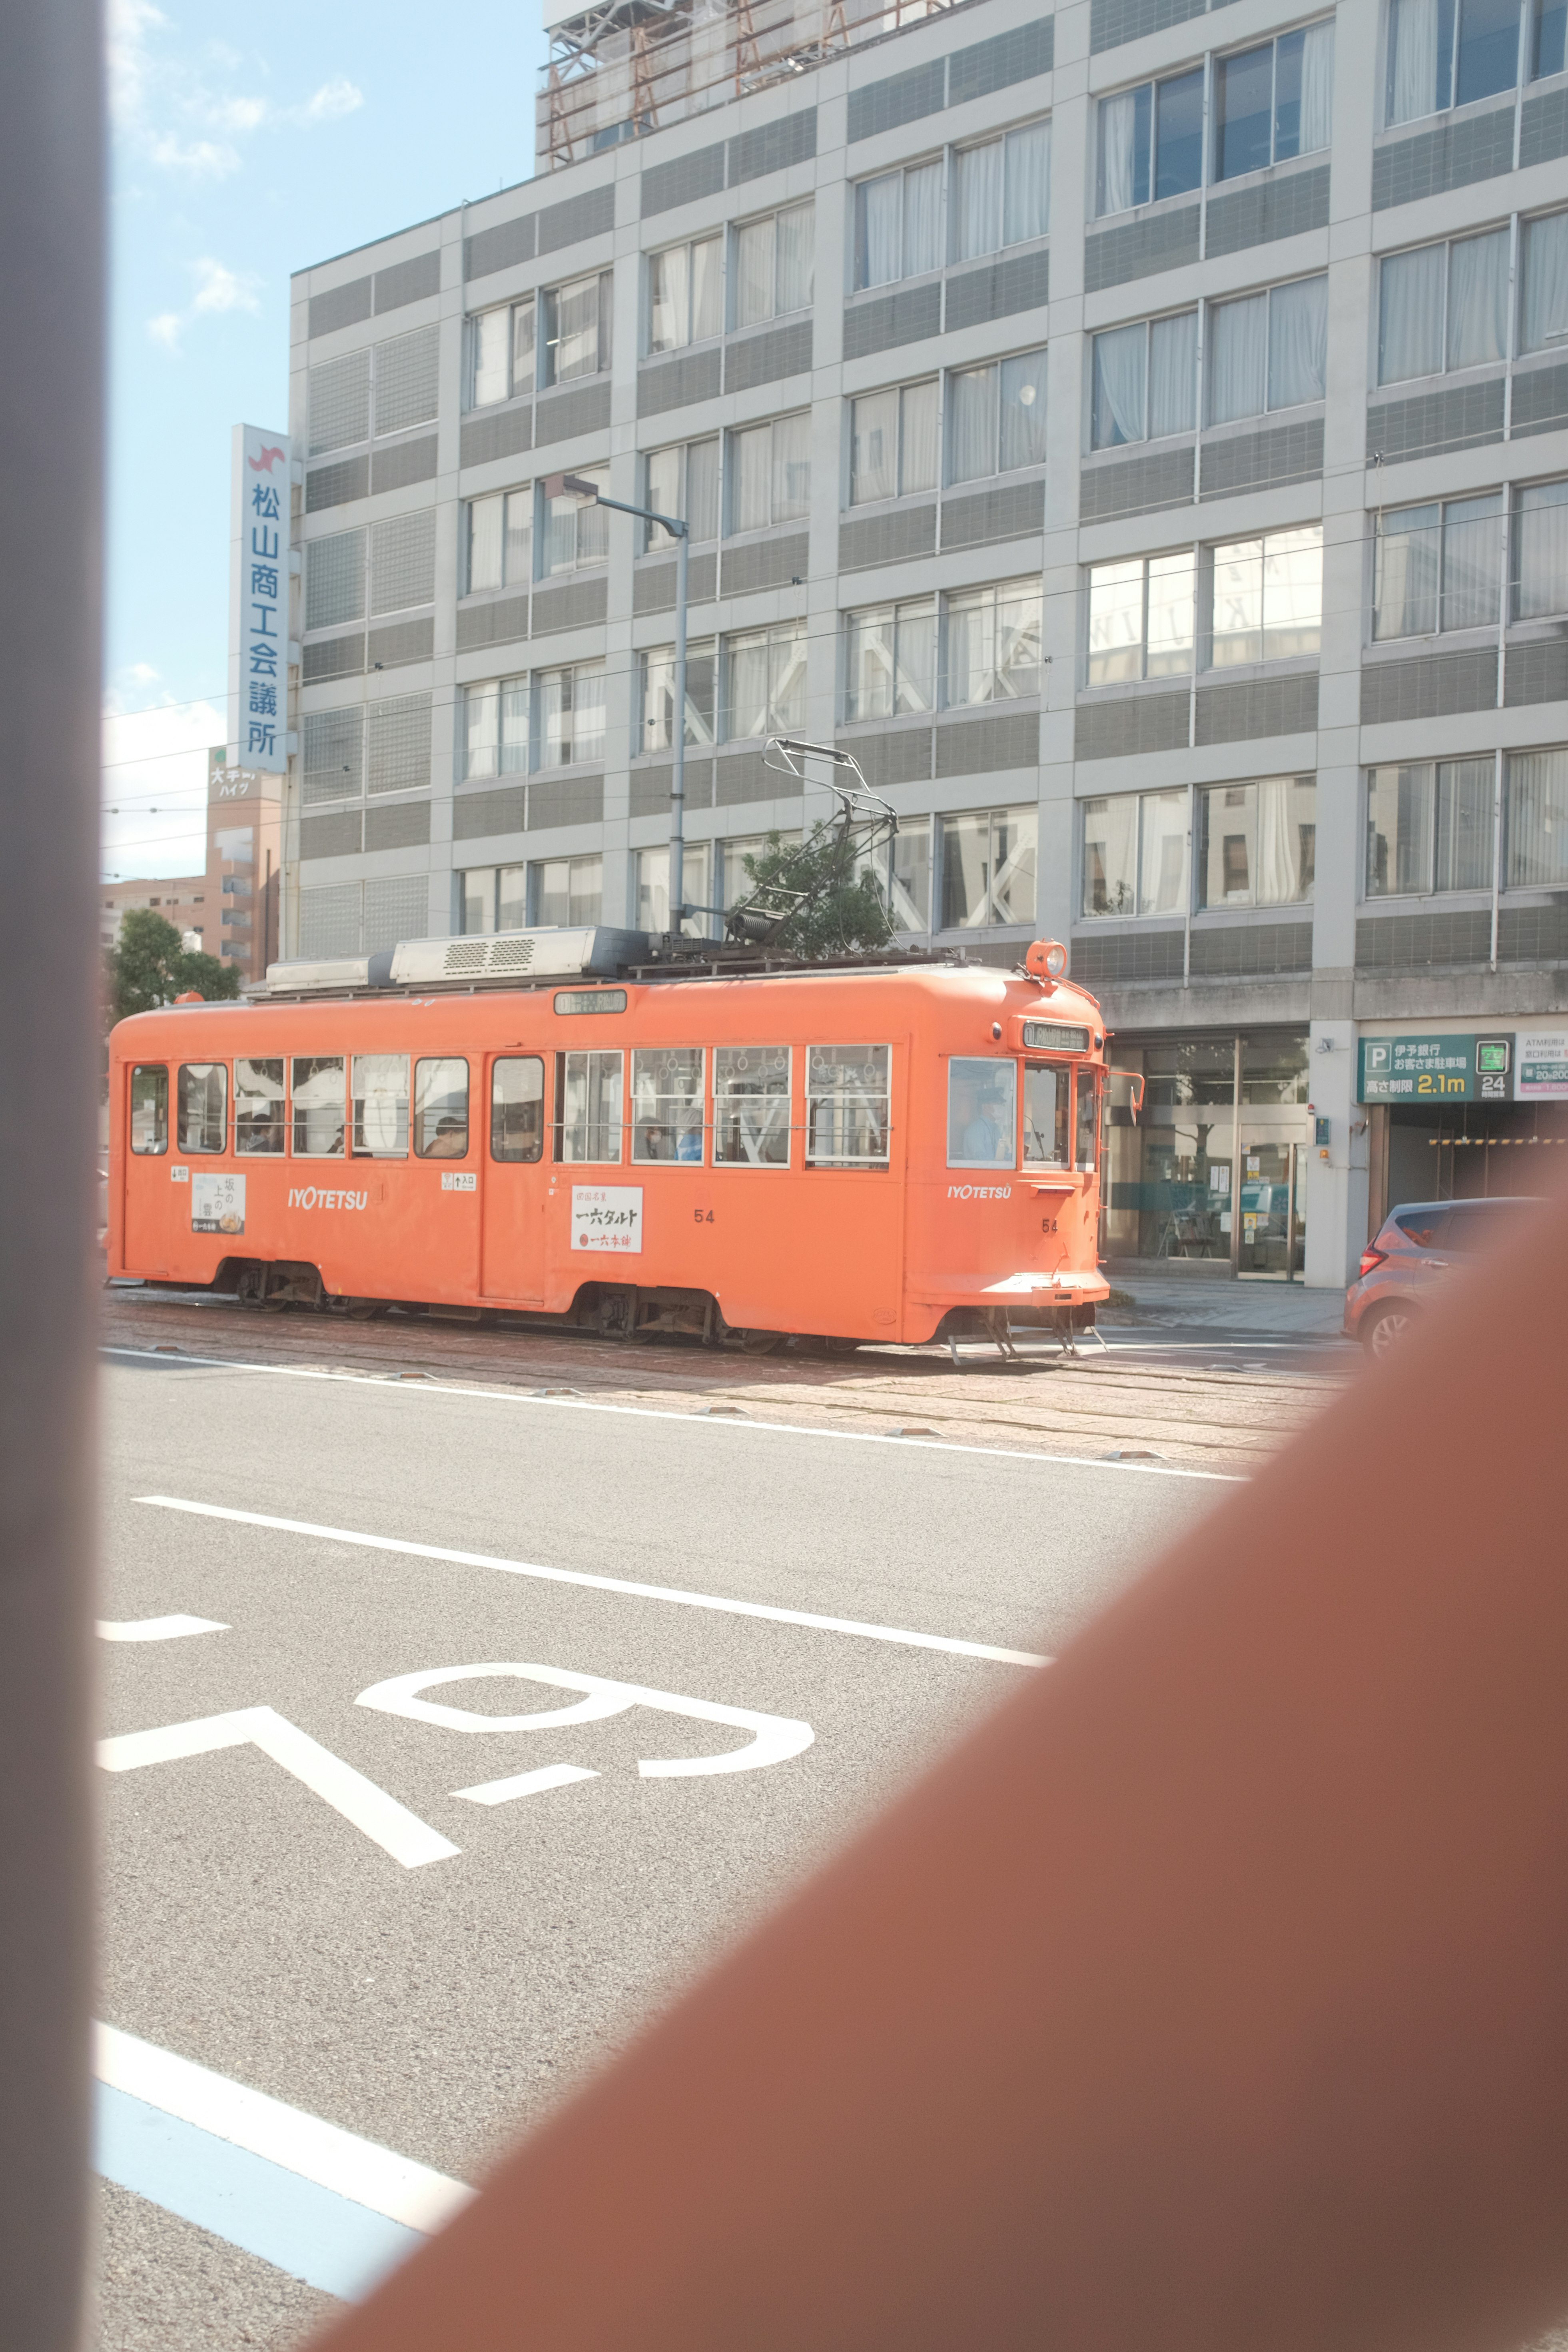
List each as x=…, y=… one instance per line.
x=436, y=2006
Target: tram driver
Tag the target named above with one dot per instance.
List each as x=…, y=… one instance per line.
x=979, y=1124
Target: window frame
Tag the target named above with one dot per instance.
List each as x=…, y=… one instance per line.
x=546, y=523
x=201, y=1151
x=419, y=1113
x=313, y=1063
x=244, y=1148
x=1527, y=46
x=788, y=639
x=641, y=1158
x=537, y=869
x=1512, y=226
x=722, y=1158
x=959, y=149
x=733, y=322
x=1202, y=555
x=731, y=497
x=705, y=650
x=1017, y=589
x=899, y=392
x=526, y=494
x=525, y=303
x=993, y=1064
x=1199, y=849
x=655, y=538
x=1151, y=83
x=156, y=1150
x=1137, y=911
x=1023, y=817
x=539, y=687
x=996, y=368
x=547, y=345
x=1223, y=58
x=656, y=255
x=840, y=1161
x=595, y=1059
x=403, y=1102
x=905, y=611
x=517, y=1159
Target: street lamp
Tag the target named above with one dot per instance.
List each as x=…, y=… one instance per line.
x=682, y=534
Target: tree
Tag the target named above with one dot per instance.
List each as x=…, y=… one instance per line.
x=150, y=964
x=825, y=907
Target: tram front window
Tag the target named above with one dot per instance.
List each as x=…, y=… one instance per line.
x=258, y=1106
x=982, y=1113
x=588, y=1107
x=667, y=1104
x=517, y=1107
x=204, y=1105
x=1088, y=1121
x=1045, y=1115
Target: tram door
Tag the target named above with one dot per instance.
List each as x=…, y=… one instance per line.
x=513, y=1179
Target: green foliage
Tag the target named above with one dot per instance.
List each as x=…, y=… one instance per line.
x=843, y=913
x=149, y=965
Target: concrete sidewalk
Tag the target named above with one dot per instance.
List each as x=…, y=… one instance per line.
x=1243, y=1309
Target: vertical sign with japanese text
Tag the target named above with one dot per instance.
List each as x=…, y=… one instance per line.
x=258, y=600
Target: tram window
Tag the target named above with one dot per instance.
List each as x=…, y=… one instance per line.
x=588, y=1107
x=982, y=1112
x=380, y=1106
x=258, y=1106
x=667, y=1104
x=1045, y=1115
x=150, y=1107
x=441, y=1109
x=751, y=1106
x=517, y=1107
x=204, y=1105
x=317, y=1088
x=846, y=1106
x=1088, y=1119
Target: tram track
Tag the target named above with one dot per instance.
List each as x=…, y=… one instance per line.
x=1091, y=1407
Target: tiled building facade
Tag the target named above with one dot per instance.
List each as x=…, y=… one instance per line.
x=1139, y=433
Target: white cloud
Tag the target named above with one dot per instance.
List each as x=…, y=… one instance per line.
x=166, y=329
x=218, y=288
x=202, y=157
x=332, y=100
x=155, y=779
x=130, y=23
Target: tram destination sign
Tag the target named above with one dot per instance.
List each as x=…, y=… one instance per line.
x=1457, y=1068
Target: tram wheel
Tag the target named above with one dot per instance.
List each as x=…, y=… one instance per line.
x=759, y=1343
x=364, y=1310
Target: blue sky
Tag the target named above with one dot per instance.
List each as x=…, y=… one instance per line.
x=248, y=144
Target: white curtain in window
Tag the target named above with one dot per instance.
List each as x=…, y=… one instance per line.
x=484, y=543
x=702, y=489
x=792, y=467
x=479, y=743
x=518, y=535
x=1541, y=551
x=1404, y=597
x=1163, y=854
x=708, y=289
x=918, y=453
x=1277, y=881
x=1317, y=87
x=1545, y=282
x=1024, y=411
x=1478, y=299
x=514, y=727
x=1172, y=374
x=878, y=230
x=977, y=201
x=870, y=665
x=1414, y=64
x=1026, y=183
x=1537, y=820
x=1410, y=318
x=754, y=460
x=1297, y=341
x=972, y=448
x=588, y=714
x=1238, y=357
x=748, y=713
x=874, y=448
x=794, y=259
x=1472, y=562
x=753, y=273
x=489, y=332
x=922, y=219
x=662, y=484
x=1292, y=593
x=1120, y=359
x=1118, y=124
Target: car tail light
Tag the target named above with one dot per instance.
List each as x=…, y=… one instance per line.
x=1371, y=1257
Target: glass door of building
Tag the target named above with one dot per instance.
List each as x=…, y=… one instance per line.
x=1273, y=1223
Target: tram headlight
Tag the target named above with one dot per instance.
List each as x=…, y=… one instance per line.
x=1047, y=960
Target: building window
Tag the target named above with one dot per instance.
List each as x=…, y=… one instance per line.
x=991, y=643
x=1438, y=567
x=997, y=417
x=987, y=868
x=659, y=695
x=1543, y=311
x=1267, y=598
x=770, y=474
x=1249, y=600
x=1429, y=827
x=901, y=869
x=890, y=659
x=1267, y=351
x=1540, y=551
x=683, y=482
x=765, y=687
x=1151, y=143
x=685, y=295
x=1141, y=618
x=493, y=899
x=1257, y=843
x=893, y=443
x=735, y=859
x=1145, y=381
x=653, y=890
x=1535, y=809
x=1274, y=101
x=577, y=329
x=772, y=266
x=570, y=715
x=498, y=541
x=574, y=532
x=1001, y=191
x=1135, y=854
x=492, y=729
x=898, y=226
x=565, y=892
x=500, y=354
x=1444, y=53
x=1444, y=307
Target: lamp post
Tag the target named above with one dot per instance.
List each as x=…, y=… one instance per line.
x=682, y=534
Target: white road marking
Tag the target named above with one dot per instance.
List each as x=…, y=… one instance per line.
x=670, y=1592
x=391, y=1826
x=525, y=1784
x=774, y=1738
x=155, y=1629
x=392, y=1385
x=357, y=2169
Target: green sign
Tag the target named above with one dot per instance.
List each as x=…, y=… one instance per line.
x=1424, y=1070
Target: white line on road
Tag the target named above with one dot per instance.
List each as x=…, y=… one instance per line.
x=525, y=1784
x=391, y=1826
x=604, y=1583
x=357, y=2169
x=428, y=1387
x=155, y=1629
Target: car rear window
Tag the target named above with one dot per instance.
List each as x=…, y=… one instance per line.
x=1475, y=1225
x=1426, y=1227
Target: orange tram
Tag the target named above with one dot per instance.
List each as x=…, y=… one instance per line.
x=538, y=1126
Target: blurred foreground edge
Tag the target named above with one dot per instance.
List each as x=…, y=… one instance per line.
x=1213, y=1994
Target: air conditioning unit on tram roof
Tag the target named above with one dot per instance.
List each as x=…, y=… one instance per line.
x=502, y=957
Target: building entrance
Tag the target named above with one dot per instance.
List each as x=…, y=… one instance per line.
x=1473, y=1151
x=1214, y=1165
